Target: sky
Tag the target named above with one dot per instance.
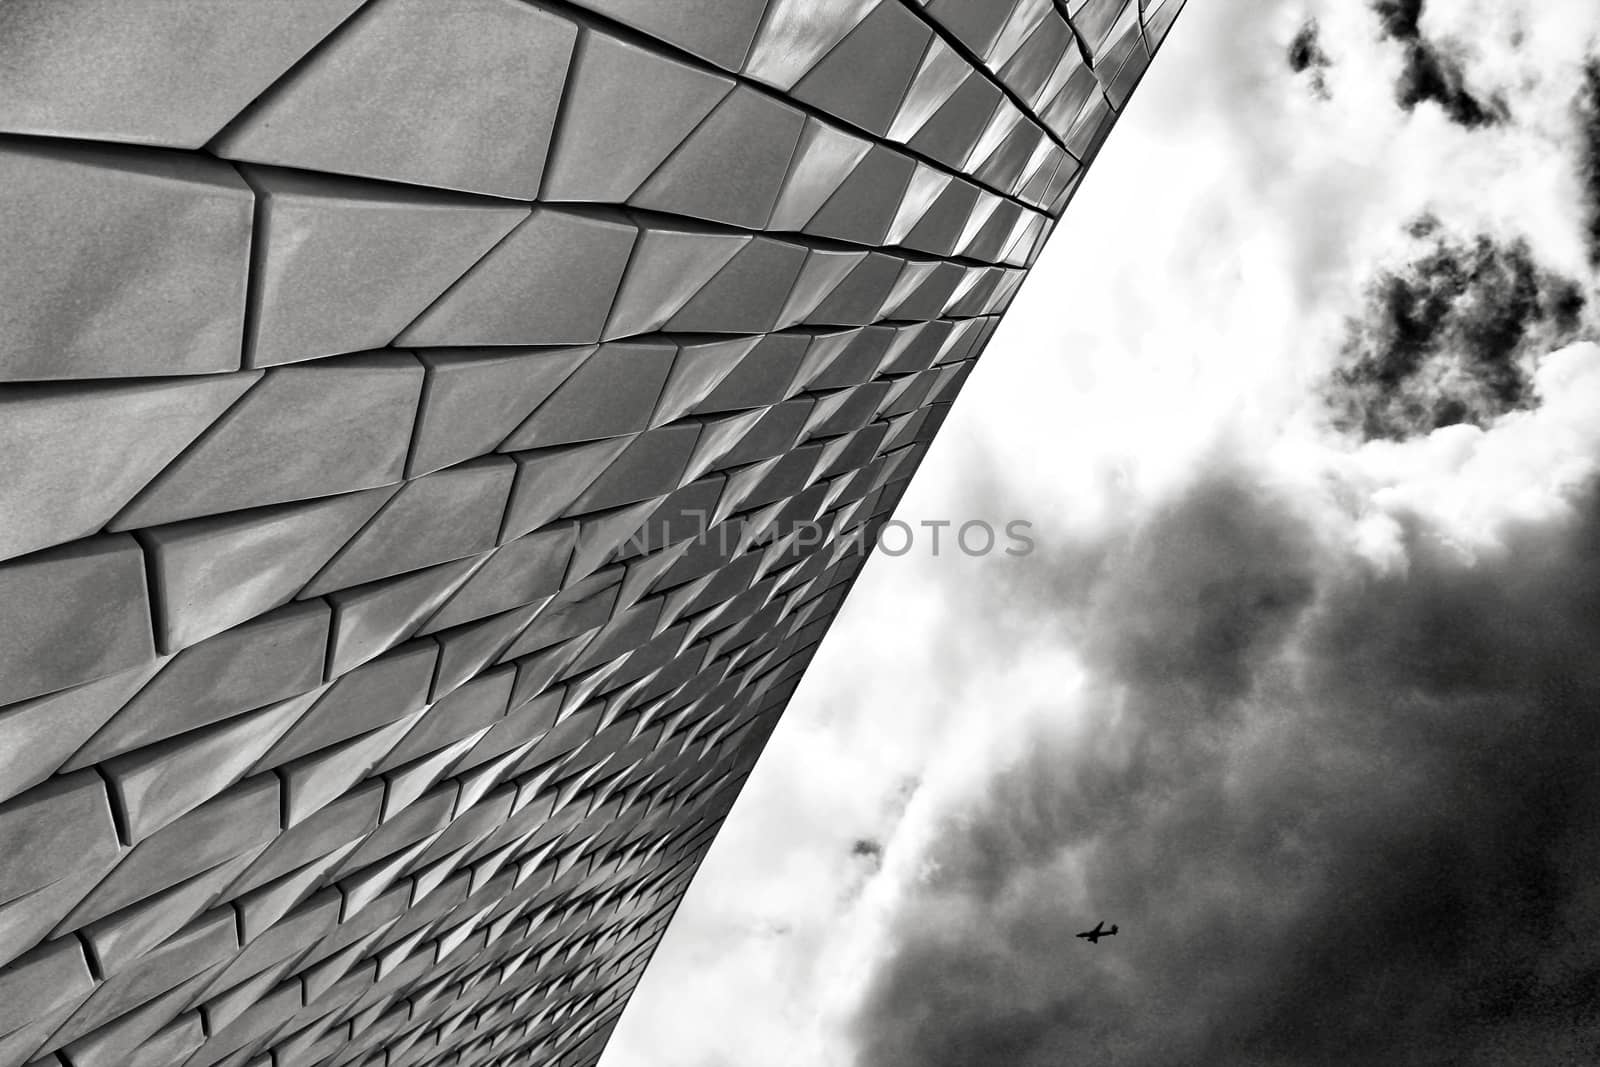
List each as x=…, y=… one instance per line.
x=1302, y=403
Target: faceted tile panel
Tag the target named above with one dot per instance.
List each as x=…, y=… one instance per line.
x=369, y=619
x=52, y=831
x=463, y=97
x=213, y=573
x=158, y=783
x=72, y=455
x=699, y=368
x=864, y=206
x=977, y=24
x=627, y=108
x=147, y=71
x=612, y=394
x=37, y=736
x=333, y=426
x=730, y=168
x=123, y=262
x=343, y=266
x=716, y=30
x=550, y=282
x=267, y=660
x=72, y=615
x=940, y=73
x=548, y=480
x=824, y=157
x=491, y=439
x=473, y=398
x=669, y=267
x=444, y=516
x=797, y=33
x=746, y=295
x=864, y=77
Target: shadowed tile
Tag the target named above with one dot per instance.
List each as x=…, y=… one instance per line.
x=651, y=465
x=951, y=132
x=864, y=206
x=747, y=295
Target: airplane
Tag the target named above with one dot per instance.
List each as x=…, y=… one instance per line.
x=1099, y=931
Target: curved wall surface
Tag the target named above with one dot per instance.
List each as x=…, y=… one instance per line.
x=434, y=436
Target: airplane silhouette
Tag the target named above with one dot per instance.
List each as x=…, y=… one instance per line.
x=1099, y=931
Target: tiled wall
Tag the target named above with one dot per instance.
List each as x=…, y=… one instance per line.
x=434, y=436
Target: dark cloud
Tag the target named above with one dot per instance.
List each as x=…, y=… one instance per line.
x=1307, y=57
x=868, y=849
x=1432, y=71
x=1341, y=816
x=1432, y=74
x=1401, y=19
x=1589, y=155
x=1451, y=337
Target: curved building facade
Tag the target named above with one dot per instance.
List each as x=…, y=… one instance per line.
x=434, y=436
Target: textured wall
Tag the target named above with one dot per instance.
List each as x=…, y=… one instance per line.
x=370, y=683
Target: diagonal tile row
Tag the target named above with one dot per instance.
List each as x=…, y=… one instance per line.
x=470, y=467
x=194, y=271
x=434, y=438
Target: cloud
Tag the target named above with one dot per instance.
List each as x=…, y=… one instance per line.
x=1433, y=71
x=1450, y=336
x=1342, y=814
x=1432, y=74
x=871, y=851
x=1588, y=108
x=1306, y=55
x=1401, y=19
